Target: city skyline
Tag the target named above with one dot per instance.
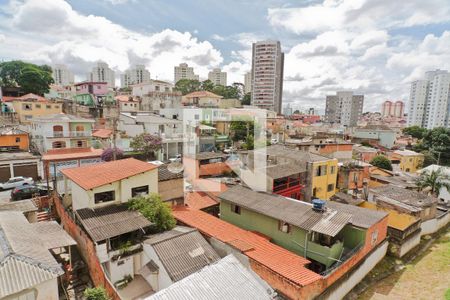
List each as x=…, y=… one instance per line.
x=375, y=49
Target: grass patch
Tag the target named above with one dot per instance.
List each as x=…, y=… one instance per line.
x=447, y=295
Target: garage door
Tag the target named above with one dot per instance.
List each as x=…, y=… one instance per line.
x=27, y=170
x=5, y=173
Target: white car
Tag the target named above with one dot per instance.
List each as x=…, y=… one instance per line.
x=14, y=182
x=177, y=158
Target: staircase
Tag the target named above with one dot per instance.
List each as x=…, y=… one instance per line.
x=45, y=215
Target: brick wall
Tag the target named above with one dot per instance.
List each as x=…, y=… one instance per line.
x=86, y=248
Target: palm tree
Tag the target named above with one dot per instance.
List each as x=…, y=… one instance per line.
x=433, y=181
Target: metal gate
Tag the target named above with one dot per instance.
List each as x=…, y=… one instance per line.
x=5, y=173
x=26, y=170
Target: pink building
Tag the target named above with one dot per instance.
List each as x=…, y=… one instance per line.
x=90, y=87
x=391, y=109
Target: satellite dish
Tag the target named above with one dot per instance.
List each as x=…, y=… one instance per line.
x=175, y=167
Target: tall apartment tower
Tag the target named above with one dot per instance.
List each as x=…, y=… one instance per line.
x=267, y=75
x=135, y=75
x=218, y=77
x=62, y=75
x=344, y=108
x=429, y=104
x=102, y=73
x=183, y=71
x=248, y=82
x=392, y=109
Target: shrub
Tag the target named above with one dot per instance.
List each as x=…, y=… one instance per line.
x=97, y=293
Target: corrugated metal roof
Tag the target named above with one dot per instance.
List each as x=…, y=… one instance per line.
x=182, y=251
x=227, y=279
x=165, y=174
x=284, y=170
x=405, y=196
x=22, y=205
x=24, y=259
x=110, y=221
x=361, y=217
x=53, y=235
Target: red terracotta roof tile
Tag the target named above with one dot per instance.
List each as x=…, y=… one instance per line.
x=199, y=200
x=102, y=133
x=202, y=94
x=276, y=258
x=92, y=176
x=71, y=153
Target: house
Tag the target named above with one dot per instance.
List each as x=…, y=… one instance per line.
x=224, y=279
x=58, y=131
x=156, y=95
x=108, y=183
x=321, y=235
x=407, y=160
x=13, y=139
x=127, y=103
x=202, y=201
x=173, y=255
x=201, y=99
x=363, y=153
x=14, y=164
x=381, y=135
x=28, y=270
x=30, y=106
x=205, y=164
x=342, y=151
x=171, y=184
x=93, y=94
x=102, y=138
x=353, y=175
x=27, y=207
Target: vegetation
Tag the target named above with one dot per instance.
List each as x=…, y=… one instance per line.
x=146, y=143
x=247, y=100
x=415, y=131
x=433, y=181
x=381, y=161
x=186, y=86
x=241, y=129
x=97, y=293
x=155, y=210
x=447, y=295
x=434, y=144
x=108, y=154
x=30, y=78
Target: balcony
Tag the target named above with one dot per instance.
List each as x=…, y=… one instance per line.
x=290, y=184
x=68, y=134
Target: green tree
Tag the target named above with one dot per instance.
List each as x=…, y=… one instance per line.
x=437, y=141
x=415, y=131
x=30, y=77
x=186, y=86
x=97, y=293
x=296, y=112
x=240, y=129
x=146, y=143
x=433, y=181
x=247, y=99
x=428, y=158
x=249, y=143
x=155, y=210
x=381, y=161
x=207, y=85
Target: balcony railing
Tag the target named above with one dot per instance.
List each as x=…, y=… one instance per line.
x=69, y=134
x=284, y=186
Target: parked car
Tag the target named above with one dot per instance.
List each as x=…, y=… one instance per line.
x=229, y=150
x=176, y=158
x=15, y=182
x=28, y=191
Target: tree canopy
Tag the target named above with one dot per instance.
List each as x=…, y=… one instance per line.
x=415, y=131
x=437, y=142
x=155, y=210
x=96, y=293
x=186, y=86
x=30, y=77
x=381, y=161
x=433, y=181
x=108, y=154
x=146, y=143
x=247, y=99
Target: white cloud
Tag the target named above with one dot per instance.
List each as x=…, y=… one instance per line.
x=218, y=37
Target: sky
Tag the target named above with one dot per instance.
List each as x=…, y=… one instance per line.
x=372, y=47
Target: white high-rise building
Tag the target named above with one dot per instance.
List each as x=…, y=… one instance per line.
x=429, y=102
x=344, y=108
x=267, y=75
x=287, y=111
x=102, y=73
x=62, y=75
x=218, y=77
x=135, y=75
x=183, y=71
x=248, y=82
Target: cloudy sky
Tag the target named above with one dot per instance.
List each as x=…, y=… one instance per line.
x=374, y=47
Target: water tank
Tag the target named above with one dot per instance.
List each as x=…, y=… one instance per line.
x=318, y=205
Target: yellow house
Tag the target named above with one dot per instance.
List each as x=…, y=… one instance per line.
x=409, y=161
x=324, y=178
x=30, y=105
x=13, y=139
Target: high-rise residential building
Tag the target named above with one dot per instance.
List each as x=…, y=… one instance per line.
x=218, y=77
x=135, y=75
x=311, y=111
x=267, y=75
x=248, y=82
x=287, y=111
x=429, y=104
x=62, y=75
x=344, y=108
x=392, y=109
x=183, y=71
x=102, y=73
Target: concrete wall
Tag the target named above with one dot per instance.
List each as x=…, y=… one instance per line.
x=164, y=279
x=171, y=189
x=119, y=271
x=400, y=250
x=433, y=225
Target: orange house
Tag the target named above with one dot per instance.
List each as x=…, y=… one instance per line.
x=12, y=139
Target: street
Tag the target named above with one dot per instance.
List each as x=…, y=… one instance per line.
x=5, y=196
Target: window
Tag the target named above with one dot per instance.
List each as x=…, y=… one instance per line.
x=48, y=106
x=37, y=105
x=284, y=227
x=58, y=144
x=236, y=209
x=56, y=106
x=17, y=139
x=139, y=191
x=104, y=197
x=321, y=170
x=330, y=187
x=81, y=144
x=332, y=169
x=27, y=106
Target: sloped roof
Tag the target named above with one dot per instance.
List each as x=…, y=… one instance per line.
x=405, y=196
x=110, y=221
x=61, y=117
x=202, y=94
x=165, y=174
x=102, y=133
x=53, y=235
x=89, y=177
x=292, y=153
x=9, y=130
x=71, y=153
x=284, y=170
x=24, y=259
x=281, y=261
x=199, y=200
x=182, y=251
x=227, y=279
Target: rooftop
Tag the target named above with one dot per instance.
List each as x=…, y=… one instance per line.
x=405, y=196
x=110, y=221
x=71, y=153
x=61, y=118
x=23, y=206
x=208, y=155
x=284, y=170
x=16, y=156
x=199, y=200
x=165, y=174
x=25, y=261
x=407, y=153
x=102, y=133
x=202, y=94
x=52, y=235
x=92, y=176
x=182, y=251
x=380, y=127
x=292, y=153
x=226, y=279
x=29, y=97
x=258, y=248
x=8, y=130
